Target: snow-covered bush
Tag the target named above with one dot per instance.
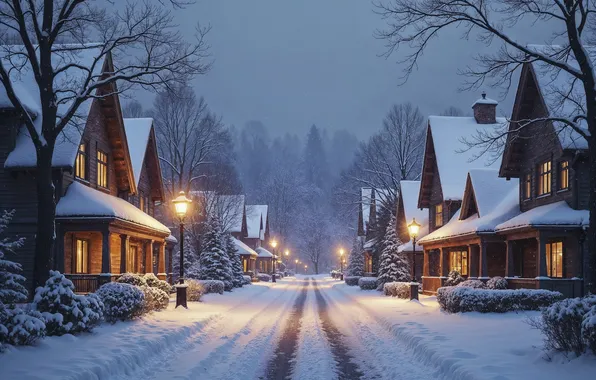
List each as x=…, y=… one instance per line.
x=155, y=299
x=397, y=289
x=561, y=324
x=476, y=284
x=461, y=300
x=454, y=278
x=195, y=290
x=254, y=279
x=496, y=283
x=352, y=280
x=264, y=277
x=367, y=283
x=155, y=282
x=63, y=311
x=133, y=279
x=20, y=327
x=589, y=329
x=121, y=301
x=247, y=280
x=212, y=286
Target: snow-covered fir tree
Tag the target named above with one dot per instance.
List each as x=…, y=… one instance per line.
x=235, y=261
x=393, y=266
x=356, y=259
x=12, y=289
x=214, y=261
x=191, y=259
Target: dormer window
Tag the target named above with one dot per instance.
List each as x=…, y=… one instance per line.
x=564, y=175
x=544, y=178
x=439, y=215
x=81, y=171
x=102, y=169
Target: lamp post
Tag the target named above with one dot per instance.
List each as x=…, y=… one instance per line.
x=181, y=204
x=296, y=266
x=287, y=253
x=274, y=245
x=341, y=263
x=413, y=230
x=305, y=266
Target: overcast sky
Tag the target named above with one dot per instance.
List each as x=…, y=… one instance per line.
x=292, y=63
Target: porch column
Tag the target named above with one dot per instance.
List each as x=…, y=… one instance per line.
x=59, y=249
x=444, y=262
x=124, y=241
x=426, y=264
x=474, y=259
x=106, y=260
x=509, y=259
x=170, y=258
x=161, y=262
x=148, y=257
x=483, y=260
x=541, y=257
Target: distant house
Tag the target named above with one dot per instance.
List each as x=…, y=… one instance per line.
x=107, y=178
x=248, y=256
x=257, y=218
x=372, y=202
x=407, y=211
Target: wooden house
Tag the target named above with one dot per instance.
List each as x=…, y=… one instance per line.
x=407, y=211
x=257, y=219
x=107, y=179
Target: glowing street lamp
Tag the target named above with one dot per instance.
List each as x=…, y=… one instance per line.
x=305, y=266
x=341, y=261
x=413, y=230
x=273, y=243
x=181, y=204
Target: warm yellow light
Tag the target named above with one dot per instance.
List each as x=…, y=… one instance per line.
x=306, y=266
x=341, y=251
x=296, y=261
x=287, y=252
x=181, y=204
x=273, y=243
x=414, y=229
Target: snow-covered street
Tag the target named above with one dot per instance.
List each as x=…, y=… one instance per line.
x=298, y=328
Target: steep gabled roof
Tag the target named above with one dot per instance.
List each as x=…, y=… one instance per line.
x=256, y=221
x=407, y=210
x=449, y=157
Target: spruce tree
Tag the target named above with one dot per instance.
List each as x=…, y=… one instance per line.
x=12, y=289
x=356, y=259
x=393, y=265
x=235, y=261
x=214, y=261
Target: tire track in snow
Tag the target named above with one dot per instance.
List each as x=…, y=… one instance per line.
x=280, y=366
x=346, y=367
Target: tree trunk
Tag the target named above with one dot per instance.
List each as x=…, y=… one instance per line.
x=46, y=213
x=590, y=271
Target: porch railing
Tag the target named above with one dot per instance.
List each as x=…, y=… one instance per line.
x=88, y=283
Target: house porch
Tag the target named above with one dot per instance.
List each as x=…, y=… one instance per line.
x=248, y=264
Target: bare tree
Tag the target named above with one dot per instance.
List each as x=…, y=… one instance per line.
x=187, y=133
x=133, y=109
x=452, y=111
x=142, y=41
x=413, y=24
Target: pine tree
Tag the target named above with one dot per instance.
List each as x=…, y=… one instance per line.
x=235, y=260
x=12, y=289
x=214, y=262
x=356, y=259
x=393, y=265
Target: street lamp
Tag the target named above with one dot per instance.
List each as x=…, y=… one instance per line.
x=181, y=204
x=296, y=266
x=413, y=230
x=305, y=266
x=274, y=245
x=341, y=261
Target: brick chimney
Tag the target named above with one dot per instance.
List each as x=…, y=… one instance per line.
x=485, y=110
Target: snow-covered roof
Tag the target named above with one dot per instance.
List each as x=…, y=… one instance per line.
x=172, y=239
x=243, y=249
x=454, y=157
x=485, y=100
x=66, y=84
x=256, y=219
x=369, y=244
x=563, y=95
x=557, y=214
x=82, y=201
x=407, y=247
x=409, y=195
x=137, y=135
x=497, y=200
x=263, y=253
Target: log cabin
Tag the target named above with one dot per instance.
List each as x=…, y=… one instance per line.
x=107, y=178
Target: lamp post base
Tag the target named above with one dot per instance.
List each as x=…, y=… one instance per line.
x=181, y=295
x=413, y=291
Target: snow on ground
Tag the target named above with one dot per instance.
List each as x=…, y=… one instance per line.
x=464, y=346
x=120, y=350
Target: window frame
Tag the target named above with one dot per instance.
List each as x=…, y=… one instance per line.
x=131, y=260
x=102, y=168
x=560, y=264
x=560, y=171
x=439, y=215
x=463, y=258
x=85, y=257
x=85, y=155
x=544, y=178
x=527, y=186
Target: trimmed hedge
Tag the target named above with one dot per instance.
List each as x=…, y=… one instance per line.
x=264, y=277
x=212, y=286
x=195, y=290
x=352, y=280
x=397, y=289
x=368, y=283
x=496, y=283
x=247, y=280
x=462, y=299
x=121, y=301
x=476, y=284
